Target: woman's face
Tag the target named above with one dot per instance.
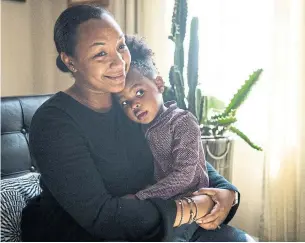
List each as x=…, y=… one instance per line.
x=101, y=57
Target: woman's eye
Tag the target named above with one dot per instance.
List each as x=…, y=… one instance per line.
x=140, y=93
x=122, y=46
x=101, y=54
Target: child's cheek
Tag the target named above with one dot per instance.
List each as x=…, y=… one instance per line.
x=130, y=114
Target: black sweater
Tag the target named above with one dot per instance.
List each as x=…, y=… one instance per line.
x=88, y=160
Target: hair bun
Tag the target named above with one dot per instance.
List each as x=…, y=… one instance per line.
x=62, y=67
x=138, y=48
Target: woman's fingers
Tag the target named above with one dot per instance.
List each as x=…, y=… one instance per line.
x=205, y=191
x=210, y=226
x=213, y=215
x=222, y=199
x=202, y=221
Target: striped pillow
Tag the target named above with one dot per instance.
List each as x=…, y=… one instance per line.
x=15, y=192
x=12, y=204
x=27, y=185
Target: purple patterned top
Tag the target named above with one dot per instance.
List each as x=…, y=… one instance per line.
x=175, y=140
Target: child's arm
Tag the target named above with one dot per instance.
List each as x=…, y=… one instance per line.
x=187, y=155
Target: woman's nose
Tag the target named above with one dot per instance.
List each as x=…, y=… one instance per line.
x=117, y=61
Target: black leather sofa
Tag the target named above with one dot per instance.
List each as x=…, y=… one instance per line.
x=19, y=176
x=16, y=116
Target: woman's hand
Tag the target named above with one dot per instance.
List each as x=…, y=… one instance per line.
x=223, y=202
x=204, y=205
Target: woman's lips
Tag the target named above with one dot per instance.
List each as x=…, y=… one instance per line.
x=140, y=115
x=118, y=78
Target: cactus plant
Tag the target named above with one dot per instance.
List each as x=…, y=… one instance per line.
x=195, y=102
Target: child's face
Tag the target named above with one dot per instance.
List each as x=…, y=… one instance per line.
x=141, y=98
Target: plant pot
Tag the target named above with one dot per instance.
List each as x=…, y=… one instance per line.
x=219, y=153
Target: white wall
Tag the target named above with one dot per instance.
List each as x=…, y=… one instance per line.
x=27, y=51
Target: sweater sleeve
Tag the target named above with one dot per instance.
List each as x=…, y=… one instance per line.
x=186, y=160
x=218, y=181
x=69, y=173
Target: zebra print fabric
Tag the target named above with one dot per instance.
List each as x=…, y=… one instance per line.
x=15, y=192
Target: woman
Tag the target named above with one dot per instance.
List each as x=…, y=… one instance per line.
x=90, y=155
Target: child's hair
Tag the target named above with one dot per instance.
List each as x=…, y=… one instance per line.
x=141, y=56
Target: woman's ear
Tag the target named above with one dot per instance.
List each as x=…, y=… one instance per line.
x=68, y=61
x=160, y=84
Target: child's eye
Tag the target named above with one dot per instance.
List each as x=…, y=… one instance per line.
x=101, y=54
x=140, y=93
x=124, y=103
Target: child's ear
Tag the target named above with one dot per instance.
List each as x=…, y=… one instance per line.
x=160, y=84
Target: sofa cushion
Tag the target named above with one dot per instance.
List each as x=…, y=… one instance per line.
x=15, y=193
x=16, y=117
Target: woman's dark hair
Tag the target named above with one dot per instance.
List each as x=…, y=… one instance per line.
x=141, y=55
x=66, y=26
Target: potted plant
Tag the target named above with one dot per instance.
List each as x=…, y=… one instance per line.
x=216, y=127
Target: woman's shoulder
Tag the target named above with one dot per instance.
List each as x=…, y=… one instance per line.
x=56, y=109
x=52, y=106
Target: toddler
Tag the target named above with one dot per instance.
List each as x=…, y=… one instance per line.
x=173, y=134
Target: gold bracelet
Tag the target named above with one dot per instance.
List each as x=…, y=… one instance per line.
x=181, y=204
x=190, y=201
x=195, y=216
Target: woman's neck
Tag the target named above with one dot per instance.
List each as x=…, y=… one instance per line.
x=97, y=101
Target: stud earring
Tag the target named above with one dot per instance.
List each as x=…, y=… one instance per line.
x=73, y=69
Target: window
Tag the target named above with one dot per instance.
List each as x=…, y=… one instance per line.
x=234, y=40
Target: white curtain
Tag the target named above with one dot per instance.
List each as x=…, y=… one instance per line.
x=235, y=37
x=283, y=194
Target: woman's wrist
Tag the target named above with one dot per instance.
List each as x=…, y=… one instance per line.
x=183, y=212
x=205, y=204
x=189, y=209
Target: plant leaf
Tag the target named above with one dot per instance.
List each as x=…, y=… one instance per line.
x=244, y=137
x=215, y=103
x=222, y=121
x=243, y=92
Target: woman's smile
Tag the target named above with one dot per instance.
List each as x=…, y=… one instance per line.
x=117, y=78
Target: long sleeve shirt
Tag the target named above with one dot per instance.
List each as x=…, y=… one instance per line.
x=174, y=138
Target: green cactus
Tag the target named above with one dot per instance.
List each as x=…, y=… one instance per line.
x=179, y=87
x=178, y=31
x=192, y=67
x=179, y=20
x=198, y=104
